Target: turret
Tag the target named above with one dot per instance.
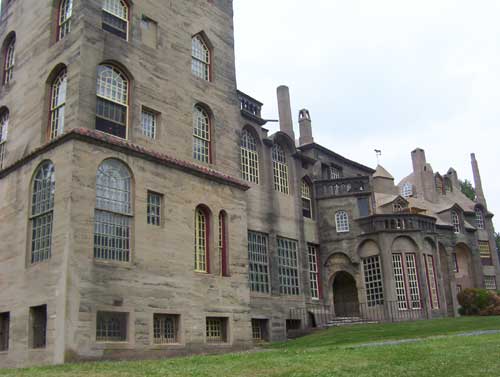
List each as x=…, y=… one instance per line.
x=305, y=128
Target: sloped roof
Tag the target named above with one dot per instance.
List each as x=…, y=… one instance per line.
x=381, y=172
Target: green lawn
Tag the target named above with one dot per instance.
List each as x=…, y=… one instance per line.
x=335, y=352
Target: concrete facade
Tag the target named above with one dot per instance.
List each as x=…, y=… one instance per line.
x=73, y=286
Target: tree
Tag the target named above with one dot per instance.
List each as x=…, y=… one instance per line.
x=467, y=189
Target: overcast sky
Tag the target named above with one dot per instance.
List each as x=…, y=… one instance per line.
x=386, y=74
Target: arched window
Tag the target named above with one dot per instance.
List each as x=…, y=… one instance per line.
x=57, y=104
x=280, y=169
x=4, y=128
x=223, y=253
x=65, y=13
x=201, y=135
x=42, y=212
x=113, y=212
x=305, y=190
x=342, y=222
x=439, y=184
x=201, y=236
x=249, y=158
x=112, y=101
x=115, y=16
x=407, y=190
x=200, y=62
x=455, y=220
x=9, y=60
x=479, y=218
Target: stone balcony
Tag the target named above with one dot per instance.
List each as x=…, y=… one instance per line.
x=333, y=188
x=397, y=222
x=250, y=108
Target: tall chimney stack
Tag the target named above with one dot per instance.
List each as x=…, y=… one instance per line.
x=285, y=111
x=306, y=136
x=477, y=181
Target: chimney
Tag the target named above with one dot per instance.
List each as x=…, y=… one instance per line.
x=305, y=128
x=418, y=159
x=477, y=181
x=285, y=111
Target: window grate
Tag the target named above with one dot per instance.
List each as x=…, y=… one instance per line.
x=165, y=328
x=111, y=327
x=216, y=330
x=38, y=317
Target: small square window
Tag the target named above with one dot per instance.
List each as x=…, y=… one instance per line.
x=4, y=331
x=154, y=208
x=259, y=330
x=38, y=326
x=166, y=329
x=216, y=330
x=111, y=327
x=149, y=123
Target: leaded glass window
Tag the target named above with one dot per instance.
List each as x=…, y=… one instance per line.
x=280, y=169
x=42, y=212
x=65, y=14
x=154, y=208
x=201, y=241
x=112, y=101
x=4, y=128
x=342, y=222
x=58, y=104
x=115, y=16
x=113, y=213
x=258, y=262
x=306, y=199
x=148, y=123
x=288, y=266
x=9, y=61
x=249, y=158
x=432, y=281
x=200, y=62
x=455, y=220
x=111, y=327
x=165, y=327
x=312, y=252
x=201, y=135
x=479, y=218
x=373, y=281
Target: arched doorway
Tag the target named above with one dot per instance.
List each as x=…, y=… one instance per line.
x=345, y=295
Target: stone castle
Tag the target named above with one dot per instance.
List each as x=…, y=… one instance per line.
x=145, y=210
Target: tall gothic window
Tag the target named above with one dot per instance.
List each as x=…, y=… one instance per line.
x=42, y=212
x=249, y=158
x=115, y=17
x=65, y=14
x=201, y=59
x=4, y=128
x=201, y=135
x=306, y=199
x=9, y=60
x=455, y=220
x=112, y=101
x=342, y=222
x=58, y=104
x=113, y=212
x=201, y=240
x=280, y=169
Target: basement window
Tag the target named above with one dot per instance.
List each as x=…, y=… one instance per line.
x=38, y=326
x=216, y=330
x=111, y=327
x=4, y=331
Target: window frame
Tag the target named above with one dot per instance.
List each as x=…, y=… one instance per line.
x=342, y=221
x=407, y=190
x=202, y=240
x=197, y=61
x=161, y=329
x=281, y=175
x=57, y=109
x=202, y=135
x=64, y=19
x=38, y=318
x=288, y=266
x=4, y=331
x=111, y=28
x=405, y=272
x=222, y=244
x=432, y=283
x=4, y=132
x=314, y=272
x=249, y=163
x=9, y=60
x=154, y=211
x=485, y=253
x=258, y=263
x=490, y=283
x=456, y=222
x=306, y=196
x=124, y=327
x=373, y=280
x=216, y=330
x=151, y=130
x=480, y=223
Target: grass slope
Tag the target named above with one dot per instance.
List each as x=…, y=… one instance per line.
x=328, y=353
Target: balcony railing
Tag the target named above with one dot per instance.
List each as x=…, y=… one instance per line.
x=342, y=187
x=397, y=222
x=250, y=108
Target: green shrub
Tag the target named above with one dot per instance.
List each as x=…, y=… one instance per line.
x=475, y=301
